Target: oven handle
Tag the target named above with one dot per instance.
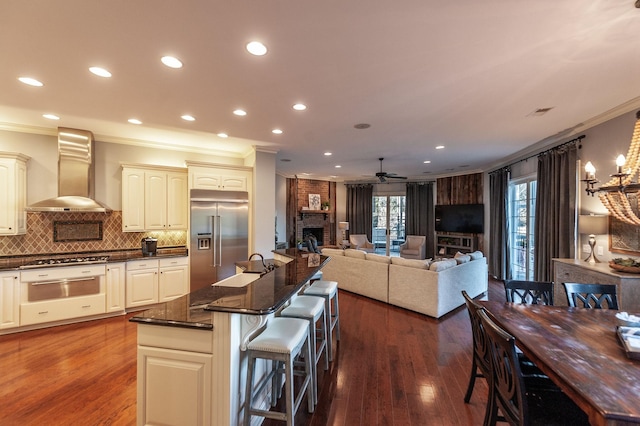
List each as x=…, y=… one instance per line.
x=64, y=280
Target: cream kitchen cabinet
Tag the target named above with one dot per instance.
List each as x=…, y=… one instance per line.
x=219, y=179
x=9, y=299
x=174, y=278
x=154, y=198
x=13, y=193
x=116, y=285
x=156, y=280
x=142, y=282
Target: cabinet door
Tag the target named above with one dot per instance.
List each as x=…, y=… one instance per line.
x=21, y=198
x=174, y=387
x=177, y=201
x=205, y=179
x=155, y=200
x=234, y=183
x=9, y=300
x=115, y=287
x=132, y=200
x=142, y=287
x=173, y=282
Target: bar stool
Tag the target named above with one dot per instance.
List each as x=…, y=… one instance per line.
x=281, y=341
x=311, y=308
x=328, y=290
x=316, y=276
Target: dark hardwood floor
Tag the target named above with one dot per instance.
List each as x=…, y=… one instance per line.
x=392, y=367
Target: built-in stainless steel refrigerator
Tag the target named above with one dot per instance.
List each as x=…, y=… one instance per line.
x=219, y=234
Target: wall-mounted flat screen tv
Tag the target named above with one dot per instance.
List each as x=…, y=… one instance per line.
x=463, y=218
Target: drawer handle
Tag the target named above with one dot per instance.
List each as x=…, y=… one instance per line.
x=86, y=306
x=43, y=312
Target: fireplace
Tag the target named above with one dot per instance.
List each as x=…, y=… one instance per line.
x=316, y=232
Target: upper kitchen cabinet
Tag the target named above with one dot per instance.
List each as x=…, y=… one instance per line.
x=13, y=193
x=219, y=178
x=154, y=198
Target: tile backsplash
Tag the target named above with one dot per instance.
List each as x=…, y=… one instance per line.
x=39, y=236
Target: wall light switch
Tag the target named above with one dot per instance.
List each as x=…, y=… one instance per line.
x=586, y=248
x=600, y=251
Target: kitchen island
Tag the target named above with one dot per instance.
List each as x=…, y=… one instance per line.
x=191, y=363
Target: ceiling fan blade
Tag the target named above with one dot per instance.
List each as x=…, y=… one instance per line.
x=393, y=176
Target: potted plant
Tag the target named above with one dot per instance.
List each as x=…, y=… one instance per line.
x=326, y=205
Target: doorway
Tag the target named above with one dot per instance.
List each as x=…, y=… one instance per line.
x=388, y=223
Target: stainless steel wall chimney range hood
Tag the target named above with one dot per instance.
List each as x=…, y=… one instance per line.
x=75, y=175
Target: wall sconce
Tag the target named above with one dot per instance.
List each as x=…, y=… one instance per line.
x=593, y=225
x=344, y=227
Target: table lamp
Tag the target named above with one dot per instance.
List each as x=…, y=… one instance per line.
x=592, y=225
x=344, y=227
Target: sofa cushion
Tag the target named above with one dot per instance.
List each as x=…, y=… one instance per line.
x=476, y=255
x=462, y=258
x=332, y=252
x=413, y=263
x=378, y=258
x=441, y=265
x=357, y=254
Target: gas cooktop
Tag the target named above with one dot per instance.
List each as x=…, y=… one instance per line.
x=65, y=261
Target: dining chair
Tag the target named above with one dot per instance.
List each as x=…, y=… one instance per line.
x=529, y=292
x=591, y=295
x=481, y=363
x=515, y=398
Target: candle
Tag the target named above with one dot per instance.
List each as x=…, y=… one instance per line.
x=590, y=171
x=620, y=162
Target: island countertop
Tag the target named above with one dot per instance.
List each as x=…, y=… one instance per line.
x=263, y=296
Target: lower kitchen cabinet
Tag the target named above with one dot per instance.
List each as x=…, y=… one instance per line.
x=174, y=278
x=174, y=386
x=9, y=299
x=116, y=285
x=61, y=309
x=156, y=280
x=142, y=283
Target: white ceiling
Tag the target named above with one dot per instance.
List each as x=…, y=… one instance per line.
x=464, y=74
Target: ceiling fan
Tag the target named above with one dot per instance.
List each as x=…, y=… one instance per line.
x=382, y=176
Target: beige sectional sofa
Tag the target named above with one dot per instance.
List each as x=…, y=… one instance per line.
x=431, y=288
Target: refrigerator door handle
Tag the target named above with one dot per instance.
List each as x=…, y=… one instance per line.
x=214, y=236
x=219, y=233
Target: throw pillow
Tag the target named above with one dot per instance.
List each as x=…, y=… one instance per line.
x=462, y=258
x=357, y=254
x=442, y=265
x=378, y=258
x=413, y=263
x=476, y=255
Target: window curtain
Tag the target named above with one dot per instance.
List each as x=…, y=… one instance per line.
x=420, y=219
x=555, y=209
x=499, y=261
x=360, y=209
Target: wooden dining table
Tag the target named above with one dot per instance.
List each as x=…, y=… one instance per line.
x=579, y=350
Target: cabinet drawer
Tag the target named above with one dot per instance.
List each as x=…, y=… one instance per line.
x=56, y=310
x=55, y=273
x=136, y=265
x=174, y=261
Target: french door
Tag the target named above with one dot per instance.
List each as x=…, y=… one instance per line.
x=522, y=206
x=388, y=223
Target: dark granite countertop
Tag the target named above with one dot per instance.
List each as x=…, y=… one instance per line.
x=15, y=262
x=260, y=297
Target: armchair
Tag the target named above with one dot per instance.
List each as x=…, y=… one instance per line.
x=415, y=247
x=361, y=242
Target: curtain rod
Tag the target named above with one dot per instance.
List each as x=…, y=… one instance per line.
x=546, y=151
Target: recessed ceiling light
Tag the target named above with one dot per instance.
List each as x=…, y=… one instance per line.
x=361, y=126
x=299, y=107
x=187, y=117
x=306, y=174
x=328, y=153
x=427, y=162
x=134, y=121
x=223, y=135
x=440, y=147
x=171, y=62
x=338, y=166
x=276, y=131
x=30, y=81
x=240, y=112
x=51, y=116
x=256, y=48
x=100, y=72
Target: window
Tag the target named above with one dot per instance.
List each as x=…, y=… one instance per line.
x=388, y=214
x=522, y=206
